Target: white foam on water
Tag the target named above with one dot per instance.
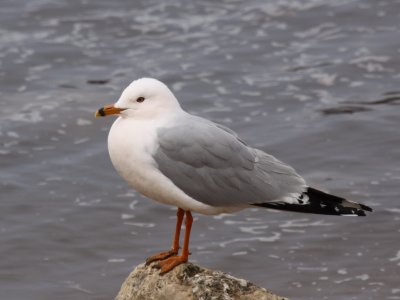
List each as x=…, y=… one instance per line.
x=238, y=253
x=127, y=216
x=83, y=122
x=76, y=286
x=116, y=260
x=313, y=269
x=342, y=271
x=275, y=237
x=304, y=223
x=90, y=202
x=396, y=258
x=141, y=224
x=253, y=229
x=362, y=277
x=81, y=141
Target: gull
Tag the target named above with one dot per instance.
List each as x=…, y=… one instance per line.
x=197, y=165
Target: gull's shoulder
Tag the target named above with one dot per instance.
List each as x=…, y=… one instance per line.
x=197, y=126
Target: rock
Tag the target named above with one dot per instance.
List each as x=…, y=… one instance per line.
x=189, y=282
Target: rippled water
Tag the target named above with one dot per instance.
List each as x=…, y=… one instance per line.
x=313, y=82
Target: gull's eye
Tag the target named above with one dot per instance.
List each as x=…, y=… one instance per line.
x=140, y=99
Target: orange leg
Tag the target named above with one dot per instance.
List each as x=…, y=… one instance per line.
x=175, y=243
x=173, y=261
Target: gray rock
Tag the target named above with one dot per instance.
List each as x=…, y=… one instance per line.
x=189, y=282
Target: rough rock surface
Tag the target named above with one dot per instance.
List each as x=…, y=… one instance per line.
x=189, y=282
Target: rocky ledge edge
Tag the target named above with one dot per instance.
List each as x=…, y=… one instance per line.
x=189, y=282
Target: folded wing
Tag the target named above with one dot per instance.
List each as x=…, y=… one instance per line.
x=210, y=164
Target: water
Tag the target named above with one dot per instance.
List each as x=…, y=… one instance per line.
x=313, y=82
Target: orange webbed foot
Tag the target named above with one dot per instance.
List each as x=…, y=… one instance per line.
x=160, y=256
x=170, y=263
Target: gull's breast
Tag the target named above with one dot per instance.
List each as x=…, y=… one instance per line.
x=131, y=145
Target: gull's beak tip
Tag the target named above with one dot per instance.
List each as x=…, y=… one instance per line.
x=108, y=110
x=99, y=113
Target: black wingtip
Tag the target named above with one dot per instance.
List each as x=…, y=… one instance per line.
x=365, y=207
x=317, y=202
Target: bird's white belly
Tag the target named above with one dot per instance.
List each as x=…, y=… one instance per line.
x=131, y=145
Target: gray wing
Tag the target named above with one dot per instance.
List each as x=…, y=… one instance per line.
x=210, y=164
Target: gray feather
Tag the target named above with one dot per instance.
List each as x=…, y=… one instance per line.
x=212, y=165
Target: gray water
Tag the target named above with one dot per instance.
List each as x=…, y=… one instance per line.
x=313, y=82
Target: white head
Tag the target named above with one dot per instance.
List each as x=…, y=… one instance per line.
x=143, y=98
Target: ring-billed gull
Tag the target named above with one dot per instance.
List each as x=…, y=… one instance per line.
x=196, y=165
